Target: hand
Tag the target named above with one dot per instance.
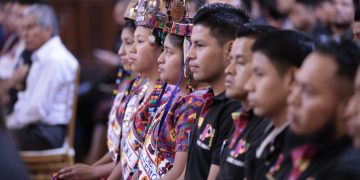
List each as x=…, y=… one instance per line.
x=20, y=74
x=77, y=171
x=107, y=57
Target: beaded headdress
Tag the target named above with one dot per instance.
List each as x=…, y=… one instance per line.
x=149, y=14
x=178, y=23
x=130, y=12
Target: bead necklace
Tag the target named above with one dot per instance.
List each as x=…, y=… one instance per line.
x=122, y=75
x=155, y=96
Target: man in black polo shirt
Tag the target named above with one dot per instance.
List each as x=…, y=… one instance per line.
x=247, y=126
x=214, y=31
x=276, y=58
x=317, y=115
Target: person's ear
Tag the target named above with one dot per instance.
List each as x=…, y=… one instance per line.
x=227, y=48
x=290, y=81
x=48, y=32
x=342, y=108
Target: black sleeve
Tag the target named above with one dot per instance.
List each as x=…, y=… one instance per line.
x=225, y=127
x=349, y=170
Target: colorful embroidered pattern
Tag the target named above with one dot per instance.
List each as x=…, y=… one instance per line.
x=138, y=128
x=241, y=120
x=157, y=156
x=301, y=158
x=119, y=112
x=208, y=132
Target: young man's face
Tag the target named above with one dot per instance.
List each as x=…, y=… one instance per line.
x=356, y=31
x=344, y=10
x=239, y=71
x=325, y=12
x=301, y=16
x=284, y=6
x=268, y=89
x=353, y=113
x=314, y=101
x=207, y=59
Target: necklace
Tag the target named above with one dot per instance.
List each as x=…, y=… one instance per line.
x=122, y=75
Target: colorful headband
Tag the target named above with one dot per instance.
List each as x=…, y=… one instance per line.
x=181, y=29
x=176, y=13
x=148, y=14
x=151, y=20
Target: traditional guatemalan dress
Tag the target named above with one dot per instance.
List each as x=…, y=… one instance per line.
x=138, y=127
x=158, y=154
x=124, y=106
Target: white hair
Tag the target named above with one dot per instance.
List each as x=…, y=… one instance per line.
x=45, y=16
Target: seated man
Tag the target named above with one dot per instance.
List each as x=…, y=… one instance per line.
x=41, y=114
x=273, y=71
x=319, y=147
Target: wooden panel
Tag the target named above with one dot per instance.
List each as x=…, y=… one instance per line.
x=85, y=25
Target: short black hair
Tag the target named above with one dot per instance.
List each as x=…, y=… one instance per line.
x=285, y=48
x=357, y=14
x=221, y=19
x=346, y=53
x=308, y=3
x=255, y=30
x=159, y=37
x=176, y=40
x=270, y=6
x=129, y=24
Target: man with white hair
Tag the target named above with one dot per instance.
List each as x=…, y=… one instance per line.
x=42, y=112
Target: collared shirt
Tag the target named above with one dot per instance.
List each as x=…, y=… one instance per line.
x=332, y=160
x=248, y=129
x=49, y=87
x=264, y=153
x=208, y=135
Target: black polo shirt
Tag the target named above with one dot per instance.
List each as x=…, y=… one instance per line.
x=259, y=162
x=337, y=160
x=205, y=149
x=233, y=161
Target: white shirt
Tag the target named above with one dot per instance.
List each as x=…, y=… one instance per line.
x=8, y=61
x=49, y=87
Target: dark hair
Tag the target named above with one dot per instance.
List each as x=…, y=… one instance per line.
x=130, y=24
x=284, y=48
x=356, y=3
x=254, y=30
x=221, y=19
x=270, y=7
x=176, y=40
x=346, y=53
x=159, y=36
x=357, y=14
x=246, y=5
x=308, y=3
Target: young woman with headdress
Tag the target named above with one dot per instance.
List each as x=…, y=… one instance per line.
x=143, y=57
x=165, y=149
x=126, y=103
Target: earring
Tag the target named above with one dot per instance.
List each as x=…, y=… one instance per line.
x=152, y=38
